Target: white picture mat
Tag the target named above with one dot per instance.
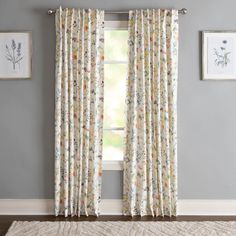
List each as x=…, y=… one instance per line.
x=23, y=68
x=210, y=42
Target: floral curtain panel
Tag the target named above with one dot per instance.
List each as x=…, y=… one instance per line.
x=79, y=111
x=150, y=183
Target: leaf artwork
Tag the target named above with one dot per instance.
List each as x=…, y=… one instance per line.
x=14, y=54
x=222, y=55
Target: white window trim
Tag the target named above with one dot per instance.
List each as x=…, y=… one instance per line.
x=114, y=25
x=115, y=62
x=112, y=165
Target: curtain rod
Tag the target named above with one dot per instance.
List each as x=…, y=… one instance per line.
x=182, y=11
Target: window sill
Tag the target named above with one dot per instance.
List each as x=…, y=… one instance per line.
x=112, y=165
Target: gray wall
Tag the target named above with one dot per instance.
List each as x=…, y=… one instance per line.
x=206, y=109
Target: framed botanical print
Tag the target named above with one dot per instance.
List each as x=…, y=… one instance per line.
x=15, y=55
x=219, y=55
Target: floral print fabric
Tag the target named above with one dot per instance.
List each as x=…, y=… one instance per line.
x=79, y=111
x=150, y=181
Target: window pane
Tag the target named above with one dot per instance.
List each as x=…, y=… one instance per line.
x=116, y=45
x=113, y=145
x=114, y=95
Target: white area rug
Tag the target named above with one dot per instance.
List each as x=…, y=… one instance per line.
x=119, y=228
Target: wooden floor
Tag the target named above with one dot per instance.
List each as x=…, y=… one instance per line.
x=5, y=221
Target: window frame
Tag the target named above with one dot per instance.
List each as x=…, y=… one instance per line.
x=114, y=165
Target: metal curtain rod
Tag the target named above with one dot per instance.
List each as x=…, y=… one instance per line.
x=182, y=11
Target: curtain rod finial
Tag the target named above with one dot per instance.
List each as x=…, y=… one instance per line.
x=50, y=11
x=184, y=11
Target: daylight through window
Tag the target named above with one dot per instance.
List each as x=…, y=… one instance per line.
x=115, y=72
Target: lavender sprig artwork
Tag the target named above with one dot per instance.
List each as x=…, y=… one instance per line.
x=222, y=55
x=14, y=53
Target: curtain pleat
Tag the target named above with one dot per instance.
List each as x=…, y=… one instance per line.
x=78, y=111
x=150, y=162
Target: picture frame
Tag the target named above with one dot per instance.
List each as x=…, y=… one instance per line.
x=15, y=55
x=219, y=55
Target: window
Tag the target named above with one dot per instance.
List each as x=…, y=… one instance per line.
x=115, y=73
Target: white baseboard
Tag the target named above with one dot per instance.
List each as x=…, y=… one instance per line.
x=46, y=207
x=26, y=207
x=207, y=207
x=114, y=207
x=111, y=207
